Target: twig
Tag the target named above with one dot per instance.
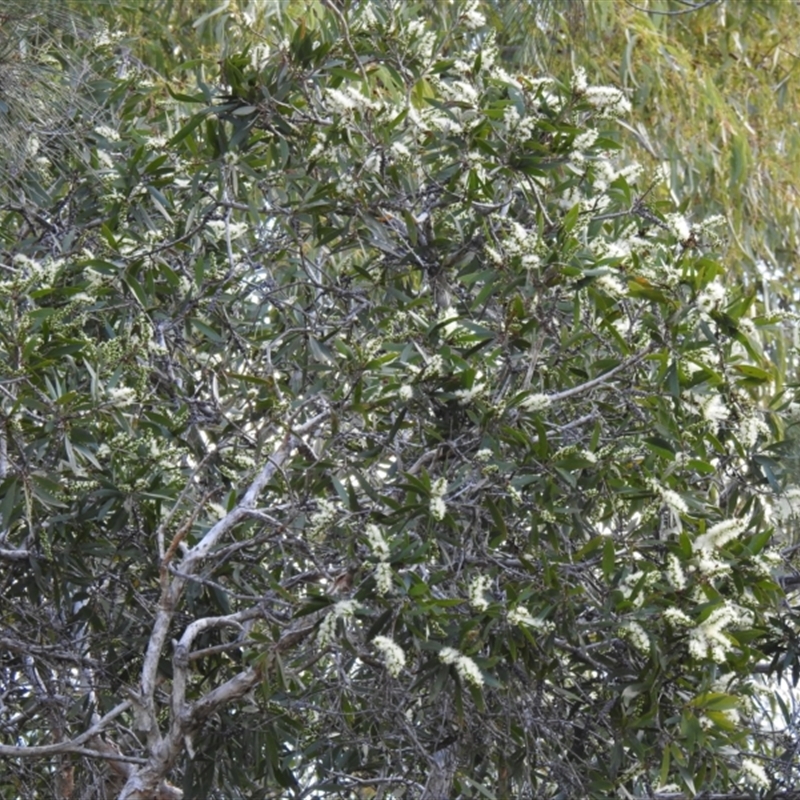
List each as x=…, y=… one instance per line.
x=584, y=387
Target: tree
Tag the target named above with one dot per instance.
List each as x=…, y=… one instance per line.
x=369, y=431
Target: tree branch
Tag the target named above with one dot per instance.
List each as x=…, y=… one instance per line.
x=600, y=379
x=73, y=745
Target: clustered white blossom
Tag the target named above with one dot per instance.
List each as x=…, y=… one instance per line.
x=383, y=578
x=120, y=395
x=218, y=227
x=707, y=564
x=107, y=133
x=494, y=255
x=106, y=162
x=629, y=583
x=670, y=498
x=711, y=408
x=437, y=505
x=583, y=142
x=519, y=615
x=431, y=119
x=471, y=17
x=423, y=38
x=789, y=504
x=755, y=774
x=405, y=392
x=637, y=635
x=105, y=37
x=400, y=151
x=613, y=287
x=536, y=402
x=766, y=562
x=344, y=609
x=720, y=534
x=466, y=396
x=460, y=91
x=393, y=656
x=259, y=56
x=523, y=243
x=750, y=428
x=383, y=570
x=675, y=574
x=377, y=542
x=434, y=366
x=677, y=618
x=579, y=81
x=605, y=173
x=478, y=587
x=708, y=639
x=367, y=19
x=711, y=298
x=448, y=321
x=608, y=100
x=714, y=410
x=322, y=517
x=349, y=100
x=519, y=128
x=318, y=149
x=466, y=668
x=346, y=185
x=627, y=328
x=679, y=226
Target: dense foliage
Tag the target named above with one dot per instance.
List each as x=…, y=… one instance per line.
x=369, y=429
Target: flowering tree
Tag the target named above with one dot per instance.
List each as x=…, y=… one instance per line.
x=367, y=431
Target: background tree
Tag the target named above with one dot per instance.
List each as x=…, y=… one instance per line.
x=371, y=428
x=714, y=101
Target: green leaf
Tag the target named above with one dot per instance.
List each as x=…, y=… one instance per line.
x=136, y=289
x=195, y=122
x=609, y=563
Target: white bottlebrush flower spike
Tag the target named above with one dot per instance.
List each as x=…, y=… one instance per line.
x=720, y=534
x=535, y=402
x=755, y=774
x=637, y=636
x=393, y=656
x=708, y=639
x=466, y=668
x=438, y=507
x=383, y=578
x=714, y=410
x=671, y=498
x=677, y=618
x=679, y=226
x=674, y=571
x=344, y=609
x=377, y=542
x=519, y=615
x=478, y=587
